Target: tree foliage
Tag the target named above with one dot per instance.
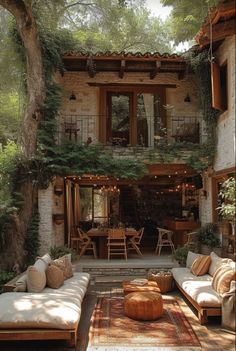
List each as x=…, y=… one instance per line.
x=186, y=17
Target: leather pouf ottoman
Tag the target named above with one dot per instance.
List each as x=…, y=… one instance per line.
x=144, y=306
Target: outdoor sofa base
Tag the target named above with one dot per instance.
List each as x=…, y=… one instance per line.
x=40, y=334
x=203, y=311
x=53, y=314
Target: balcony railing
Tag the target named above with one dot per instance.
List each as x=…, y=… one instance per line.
x=150, y=130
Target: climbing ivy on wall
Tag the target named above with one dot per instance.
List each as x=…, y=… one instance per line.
x=198, y=156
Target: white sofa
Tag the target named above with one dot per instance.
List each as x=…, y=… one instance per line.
x=50, y=314
x=198, y=289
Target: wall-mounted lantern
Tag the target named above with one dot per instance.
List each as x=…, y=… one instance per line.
x=58, y=190
x=58, y=218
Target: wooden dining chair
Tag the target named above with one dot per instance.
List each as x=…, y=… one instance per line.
x=164, y=239
x=83, y=243
x=134, y=241
x=191, y=242
x=116, y=243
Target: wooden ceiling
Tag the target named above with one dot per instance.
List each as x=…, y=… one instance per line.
x=123, y=63
x=219, y=24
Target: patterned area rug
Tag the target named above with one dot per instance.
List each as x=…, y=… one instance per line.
x=111, y=330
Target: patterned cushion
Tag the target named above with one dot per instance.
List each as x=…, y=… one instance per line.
x=64, y=264
x=201, y=265
x=222, y=279
x=54, y=276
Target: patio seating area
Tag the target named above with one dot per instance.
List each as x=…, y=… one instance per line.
x=211, y=337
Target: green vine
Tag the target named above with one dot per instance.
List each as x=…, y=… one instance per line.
x=32, y=241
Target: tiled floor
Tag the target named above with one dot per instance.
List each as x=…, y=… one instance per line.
x=212, y=336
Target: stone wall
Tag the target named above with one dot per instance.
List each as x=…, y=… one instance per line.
x=87, y=97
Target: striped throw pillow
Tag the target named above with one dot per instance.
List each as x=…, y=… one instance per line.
x=222, y=279
x=200, y=265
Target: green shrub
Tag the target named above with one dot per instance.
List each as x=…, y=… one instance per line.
x=32, y=242
x=181, y=254
x=206, y=235
x=58, y=251
x=6, y=276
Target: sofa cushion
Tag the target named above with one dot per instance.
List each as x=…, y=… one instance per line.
x=36, y=280
x=201, y=265
x=21, y=284
x=53, y=308
x=65, y=265
x=191, y=257
x=222, y=279
x=35, y=275
x=199, y=288
x=54, y=277
x=216, y=262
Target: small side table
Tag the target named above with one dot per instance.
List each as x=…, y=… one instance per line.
x=129, y=287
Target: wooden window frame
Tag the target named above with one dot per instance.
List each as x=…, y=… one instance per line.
x=134, y=90
x=219, y=96
x=219, y=177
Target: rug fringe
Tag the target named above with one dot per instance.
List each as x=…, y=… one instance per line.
x=159, y=348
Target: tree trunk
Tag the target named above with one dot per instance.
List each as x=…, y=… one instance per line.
x=27, y=27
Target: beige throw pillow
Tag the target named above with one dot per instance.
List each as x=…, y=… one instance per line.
x=201, y=265
x=222, y=279
x=216, y=262
x=191, y=257
x=64, y=264
x=54, y=277
x=36, y=276
x=36, y=280
x=21, y=284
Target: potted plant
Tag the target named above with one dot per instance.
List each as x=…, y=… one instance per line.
x=207, y=238
x=228, y=202
x=181, y=254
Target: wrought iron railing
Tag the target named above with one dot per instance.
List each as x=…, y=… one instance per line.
x=150, y=130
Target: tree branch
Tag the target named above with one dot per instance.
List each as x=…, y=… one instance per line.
x=18, y=9
x=79, y=3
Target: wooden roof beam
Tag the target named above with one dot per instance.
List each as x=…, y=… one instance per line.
x=219, y=32
x=91, y=67
x=153, y=73
x=122, y=68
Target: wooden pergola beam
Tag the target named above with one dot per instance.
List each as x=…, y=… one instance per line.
x=122, y=68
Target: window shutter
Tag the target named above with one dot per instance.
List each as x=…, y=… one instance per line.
x=215, y=86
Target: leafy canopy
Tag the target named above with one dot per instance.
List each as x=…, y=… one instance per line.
x=186, y=17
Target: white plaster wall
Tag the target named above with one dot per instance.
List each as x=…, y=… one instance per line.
x=225, y=156
x=50, y=233
x=45, y=207
x=205, y=203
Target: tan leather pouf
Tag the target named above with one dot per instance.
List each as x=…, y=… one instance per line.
x=144, y=306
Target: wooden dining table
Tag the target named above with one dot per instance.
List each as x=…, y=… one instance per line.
x=100, y=236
